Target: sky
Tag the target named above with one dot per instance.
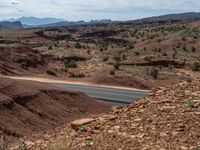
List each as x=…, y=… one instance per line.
x=73, y=10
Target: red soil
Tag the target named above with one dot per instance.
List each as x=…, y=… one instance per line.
x=29, y=107
x=20, y=61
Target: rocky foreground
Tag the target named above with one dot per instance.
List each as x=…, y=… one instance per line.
x=169, y=118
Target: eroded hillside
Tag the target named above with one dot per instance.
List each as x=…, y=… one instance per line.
x=31, y=107
x=169, y=118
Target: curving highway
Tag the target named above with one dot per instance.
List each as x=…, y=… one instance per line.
x=117, y=96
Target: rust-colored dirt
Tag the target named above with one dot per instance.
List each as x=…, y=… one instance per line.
x=30, y=107
x=20, y=61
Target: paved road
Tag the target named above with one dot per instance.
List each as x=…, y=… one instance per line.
x=112, y=95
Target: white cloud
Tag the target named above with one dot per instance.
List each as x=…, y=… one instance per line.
x=94, y=9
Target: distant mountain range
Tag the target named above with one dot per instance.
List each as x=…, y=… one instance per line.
x=190, y=16
x=34, y=21
x=52, y=22
x=11, y=25
x=67, y=23
x=48, y=22
x=163, y=18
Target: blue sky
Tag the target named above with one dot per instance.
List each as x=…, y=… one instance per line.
x=95, y=9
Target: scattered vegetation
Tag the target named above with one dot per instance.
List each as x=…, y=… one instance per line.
x=78, y=45
x=76, y=75
x=129, y=46
x=116, y=65
x=112, y=72
x=105, y=58
x=50, y=47
x=158, y=50
x=88, y=51
x=82, y=128
x=124, y=57
x=117, y=58
x=195, y=66
x=184, y=38
x=149, y=119
x=190, y=103
x=148, y=58
x=193, y=49
x=88, y=142
x=23, y=147
x=63, y=143
x=174, y=54
x=103, y=46
x=70, y=64
x=136, y=53
x=196, y=148
x=164, y=54
x=154, y=73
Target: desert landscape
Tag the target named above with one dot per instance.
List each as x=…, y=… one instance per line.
x=156, y=56
x=124, y=54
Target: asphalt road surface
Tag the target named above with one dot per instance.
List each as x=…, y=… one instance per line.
x=116, y=96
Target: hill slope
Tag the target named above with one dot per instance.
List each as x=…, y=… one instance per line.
x=190, y=16
x=20, y=60
x=30, y=107
x=168, y=118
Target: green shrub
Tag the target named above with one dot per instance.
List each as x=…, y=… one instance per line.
x=55, y=44
x=148, y=58
x=124, y=35
x=50, y=47
x=157, y=50
x=88, y=52
x=103, y=46
x=129, y=46
x=81, y=128
x=178, y=45
x=105, y=58
x=78, y=45
x=195, y=66
x=124, y=57
x=185, y=48
x=193, y=49
x=196, y=148
x=70, y=64
x=68, y=46
x=76, y=75
x=116, y=65
x=101, y=49
x=154, y=72
x=136, y=53
x=174, y=54
x=84, y=47
x=117, y=58
x=184, y=39
x=23, y=147
x=190, y=103
x=133, y=33
x=112, y=72
x=164, y=54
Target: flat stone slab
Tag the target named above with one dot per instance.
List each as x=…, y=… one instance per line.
x=77, y=123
